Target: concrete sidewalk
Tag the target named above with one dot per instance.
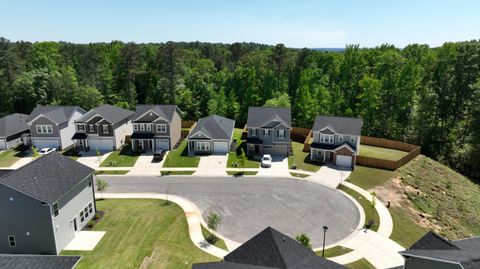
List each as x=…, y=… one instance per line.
x=85, y=240
x=330, y=176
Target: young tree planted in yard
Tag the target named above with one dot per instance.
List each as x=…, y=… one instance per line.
x=35, y=153
x=304, y=240
x=213, y=221
x=102, y=186
x=242, y=160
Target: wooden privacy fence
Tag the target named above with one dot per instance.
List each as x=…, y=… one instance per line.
x=190, y=124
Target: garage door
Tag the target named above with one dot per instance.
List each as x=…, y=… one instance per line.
x=2, y=144
x=220, y=147
x=344, y=161
x=162, y=144
x=275, y=150
x=99, y=144
x=40, y=144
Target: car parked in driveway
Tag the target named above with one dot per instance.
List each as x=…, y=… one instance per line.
x=158, y=155
x=45, y=151
x=266, y=161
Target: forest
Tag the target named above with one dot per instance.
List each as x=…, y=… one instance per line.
x=419, y=94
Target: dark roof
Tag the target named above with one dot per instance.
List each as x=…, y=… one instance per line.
x=254, y=140
x=142, y=136
x=269, y=117
x=13, y=124
x=48, y=178
x=164, y=111
x=431, y=240
x=111, y=113
x=323, y=146
x=58, y=114
x=215, y=127
x=79, y=136
x=271, y=249
x=14, y=261
x=5, y=172
x=341, y=125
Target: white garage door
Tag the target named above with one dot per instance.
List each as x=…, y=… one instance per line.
x=2, y=144
x=220, y=147
x=162, y=144
x=98, y=144
x=40, y=144
x=275, y=150
x=344, y=161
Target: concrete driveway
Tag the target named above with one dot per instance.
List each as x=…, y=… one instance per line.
x=212, y=165
x=248, y=205
x=330, y=175
x=279, y=168
x=145, y=166
x=90, y=158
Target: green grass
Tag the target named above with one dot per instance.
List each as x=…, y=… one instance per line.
x=381, y=153
x=240, y=173
x=138, y=230
x=11, y=156
x=233, y=156
x=71, y=153
x=367, y=178
x=360, y=264
x=367, y=207
x=176, y=173
x=405, y=230
x=301, y=159
x=300, y=175
x=121, y=158
x=111, y=172
x=219, y=243
x=335, y=251
x=179, y=157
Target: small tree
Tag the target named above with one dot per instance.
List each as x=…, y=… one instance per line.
x=213, y=221
x=242, y=160
x=304, y=240
x=102, y=186
x=99, y=155
x=373, y=204
x=35, y=153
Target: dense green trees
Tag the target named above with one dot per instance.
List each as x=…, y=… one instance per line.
x=428, y=96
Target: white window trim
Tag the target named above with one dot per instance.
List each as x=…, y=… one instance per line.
x=53, y=209
x=149, y=127
x=91, y=128
x=135, y=126
x=44, y=129
x=103, y=128
x=282, y=132
x=326, y=138
x=161, y=128
x=254, y=132
x=85, y=212
x=202, y=145
x=80, y=127
x=340, y=138
x=265, y=132
x=142, y=127
x=10, y=241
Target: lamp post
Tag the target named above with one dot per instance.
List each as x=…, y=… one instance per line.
x=325, y=229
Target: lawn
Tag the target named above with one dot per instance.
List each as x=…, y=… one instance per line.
x=334, y=252
x=233, y=156
x=360, y=264
x=381, y=153
x=219, y=243
x=142, y=233
x=367, y=207
x=111, y=172
x=11, y=156
x=301, y=159
x=72, y=153
x=367, y=178
x=179, y=157
x=176, y=173
x=405, y=230
x=125, y=157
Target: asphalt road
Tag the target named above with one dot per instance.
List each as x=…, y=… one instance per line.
x=248, y=205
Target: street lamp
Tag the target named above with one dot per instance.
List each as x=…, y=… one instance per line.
x=325, y=229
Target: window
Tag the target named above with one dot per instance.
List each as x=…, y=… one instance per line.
x=326, y=138
x=91, y=128
x=87, y=211
x=105, y=128
x=142, y=127
x=352, y=139
x=340, y=138
x=202, y=146
x=266, y=132
x=90, y=208
x=90, y=183
x=254, y=132
x=149, y=127
x=81, y=127
x=11, y=241
x=161, y=128
x=281, y=134
x=135, y=127
x=44, y=129
x=55, y=209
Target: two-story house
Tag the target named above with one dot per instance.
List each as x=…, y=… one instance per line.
x=53, y=126
x=336, y=140
x=13, y=128
x=156, y=127
x=44, y=204
x=212, y=134
x=269, y=131
x=103, y=128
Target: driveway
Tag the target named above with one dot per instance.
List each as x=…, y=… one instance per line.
x=248, y=205
x=330, y=175
x=145, y=166
x=90, y=158
x=212, y=165
x=279, y=168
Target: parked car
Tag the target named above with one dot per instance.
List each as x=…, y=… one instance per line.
x=158, y=155
x=45, y=151
x=266, y=160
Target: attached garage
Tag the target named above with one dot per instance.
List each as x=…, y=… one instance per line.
x=100, y=144
x=45, y=143
x=220, y=147
x=344, y=161
x=163, y=143
x=276, y=150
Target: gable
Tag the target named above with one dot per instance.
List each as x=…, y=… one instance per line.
x=199, y=135
x=94, y=120
x=42, y=119
x=327, y=130
x=148, y=116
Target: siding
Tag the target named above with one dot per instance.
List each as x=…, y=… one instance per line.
x=69, y=130
x=122, y=129
x=175, y=129
x=44, y=121
x=336, y=141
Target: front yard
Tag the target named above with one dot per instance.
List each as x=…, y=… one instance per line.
x=381, y=153
x=142, y=233
x=367, y=178
x=125, y=157
x=11, y=156
x=301, y=159
x=233, y=156
x=179, y=157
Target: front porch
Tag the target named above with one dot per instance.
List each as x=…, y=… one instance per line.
x=80, y=141
x=145, y=145
x=201, y=147
x=321, y=155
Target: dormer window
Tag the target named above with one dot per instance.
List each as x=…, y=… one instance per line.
x=326, y=138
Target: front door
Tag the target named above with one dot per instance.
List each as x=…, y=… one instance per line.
x=257, y=148
x=75, y=224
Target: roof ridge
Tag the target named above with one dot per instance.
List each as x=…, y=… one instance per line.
x=271, y=231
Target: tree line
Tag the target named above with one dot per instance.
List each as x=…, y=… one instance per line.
x=423, y=95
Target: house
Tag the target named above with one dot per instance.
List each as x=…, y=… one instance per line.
x=13, y=128
x=434, y=252
x=271, y=249
x=103, y=128
x=44, y=204
x=53, y=126
x=336, y=140
x=18, y=261
x=212, y=134
x=156, y=127
x=269, y=131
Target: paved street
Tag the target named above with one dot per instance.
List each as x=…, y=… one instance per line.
x=248, y=205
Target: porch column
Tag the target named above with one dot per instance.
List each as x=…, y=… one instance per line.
x=133, y=144
x=324, y=153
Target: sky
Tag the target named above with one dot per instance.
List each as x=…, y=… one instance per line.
x=295, y=23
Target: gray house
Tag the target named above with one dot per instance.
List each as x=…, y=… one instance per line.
x=13, y=129
x=434, y=252
x=44, y=204
x=19, y=261
x=336, y=140
x=53, y=126
x=156, y=127
x=103, y=128
x=269, y=131
x=212, y=134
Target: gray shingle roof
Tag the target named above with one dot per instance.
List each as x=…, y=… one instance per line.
x=341, y=125
x=13, y=261
x=215, y=127
x=111, y=113
x=48, y=178
x=13, y=124
x=59, y=114
x=164, y=111
x=269, y=117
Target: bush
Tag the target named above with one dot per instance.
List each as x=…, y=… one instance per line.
x=97, y=216
x=90, y=224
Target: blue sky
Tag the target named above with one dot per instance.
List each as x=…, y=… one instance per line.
x=294, y=23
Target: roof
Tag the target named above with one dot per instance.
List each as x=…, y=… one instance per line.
x=48, y=178
x=58, y=114
x=215, y=127
x=164, y=111
x=77, y=136
x=269, y=117
x=15, y=261
x=341, y=125
x=465, y=252
x=13, y=124
x=111, y=113
x=142, y=136
x=271, y=249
